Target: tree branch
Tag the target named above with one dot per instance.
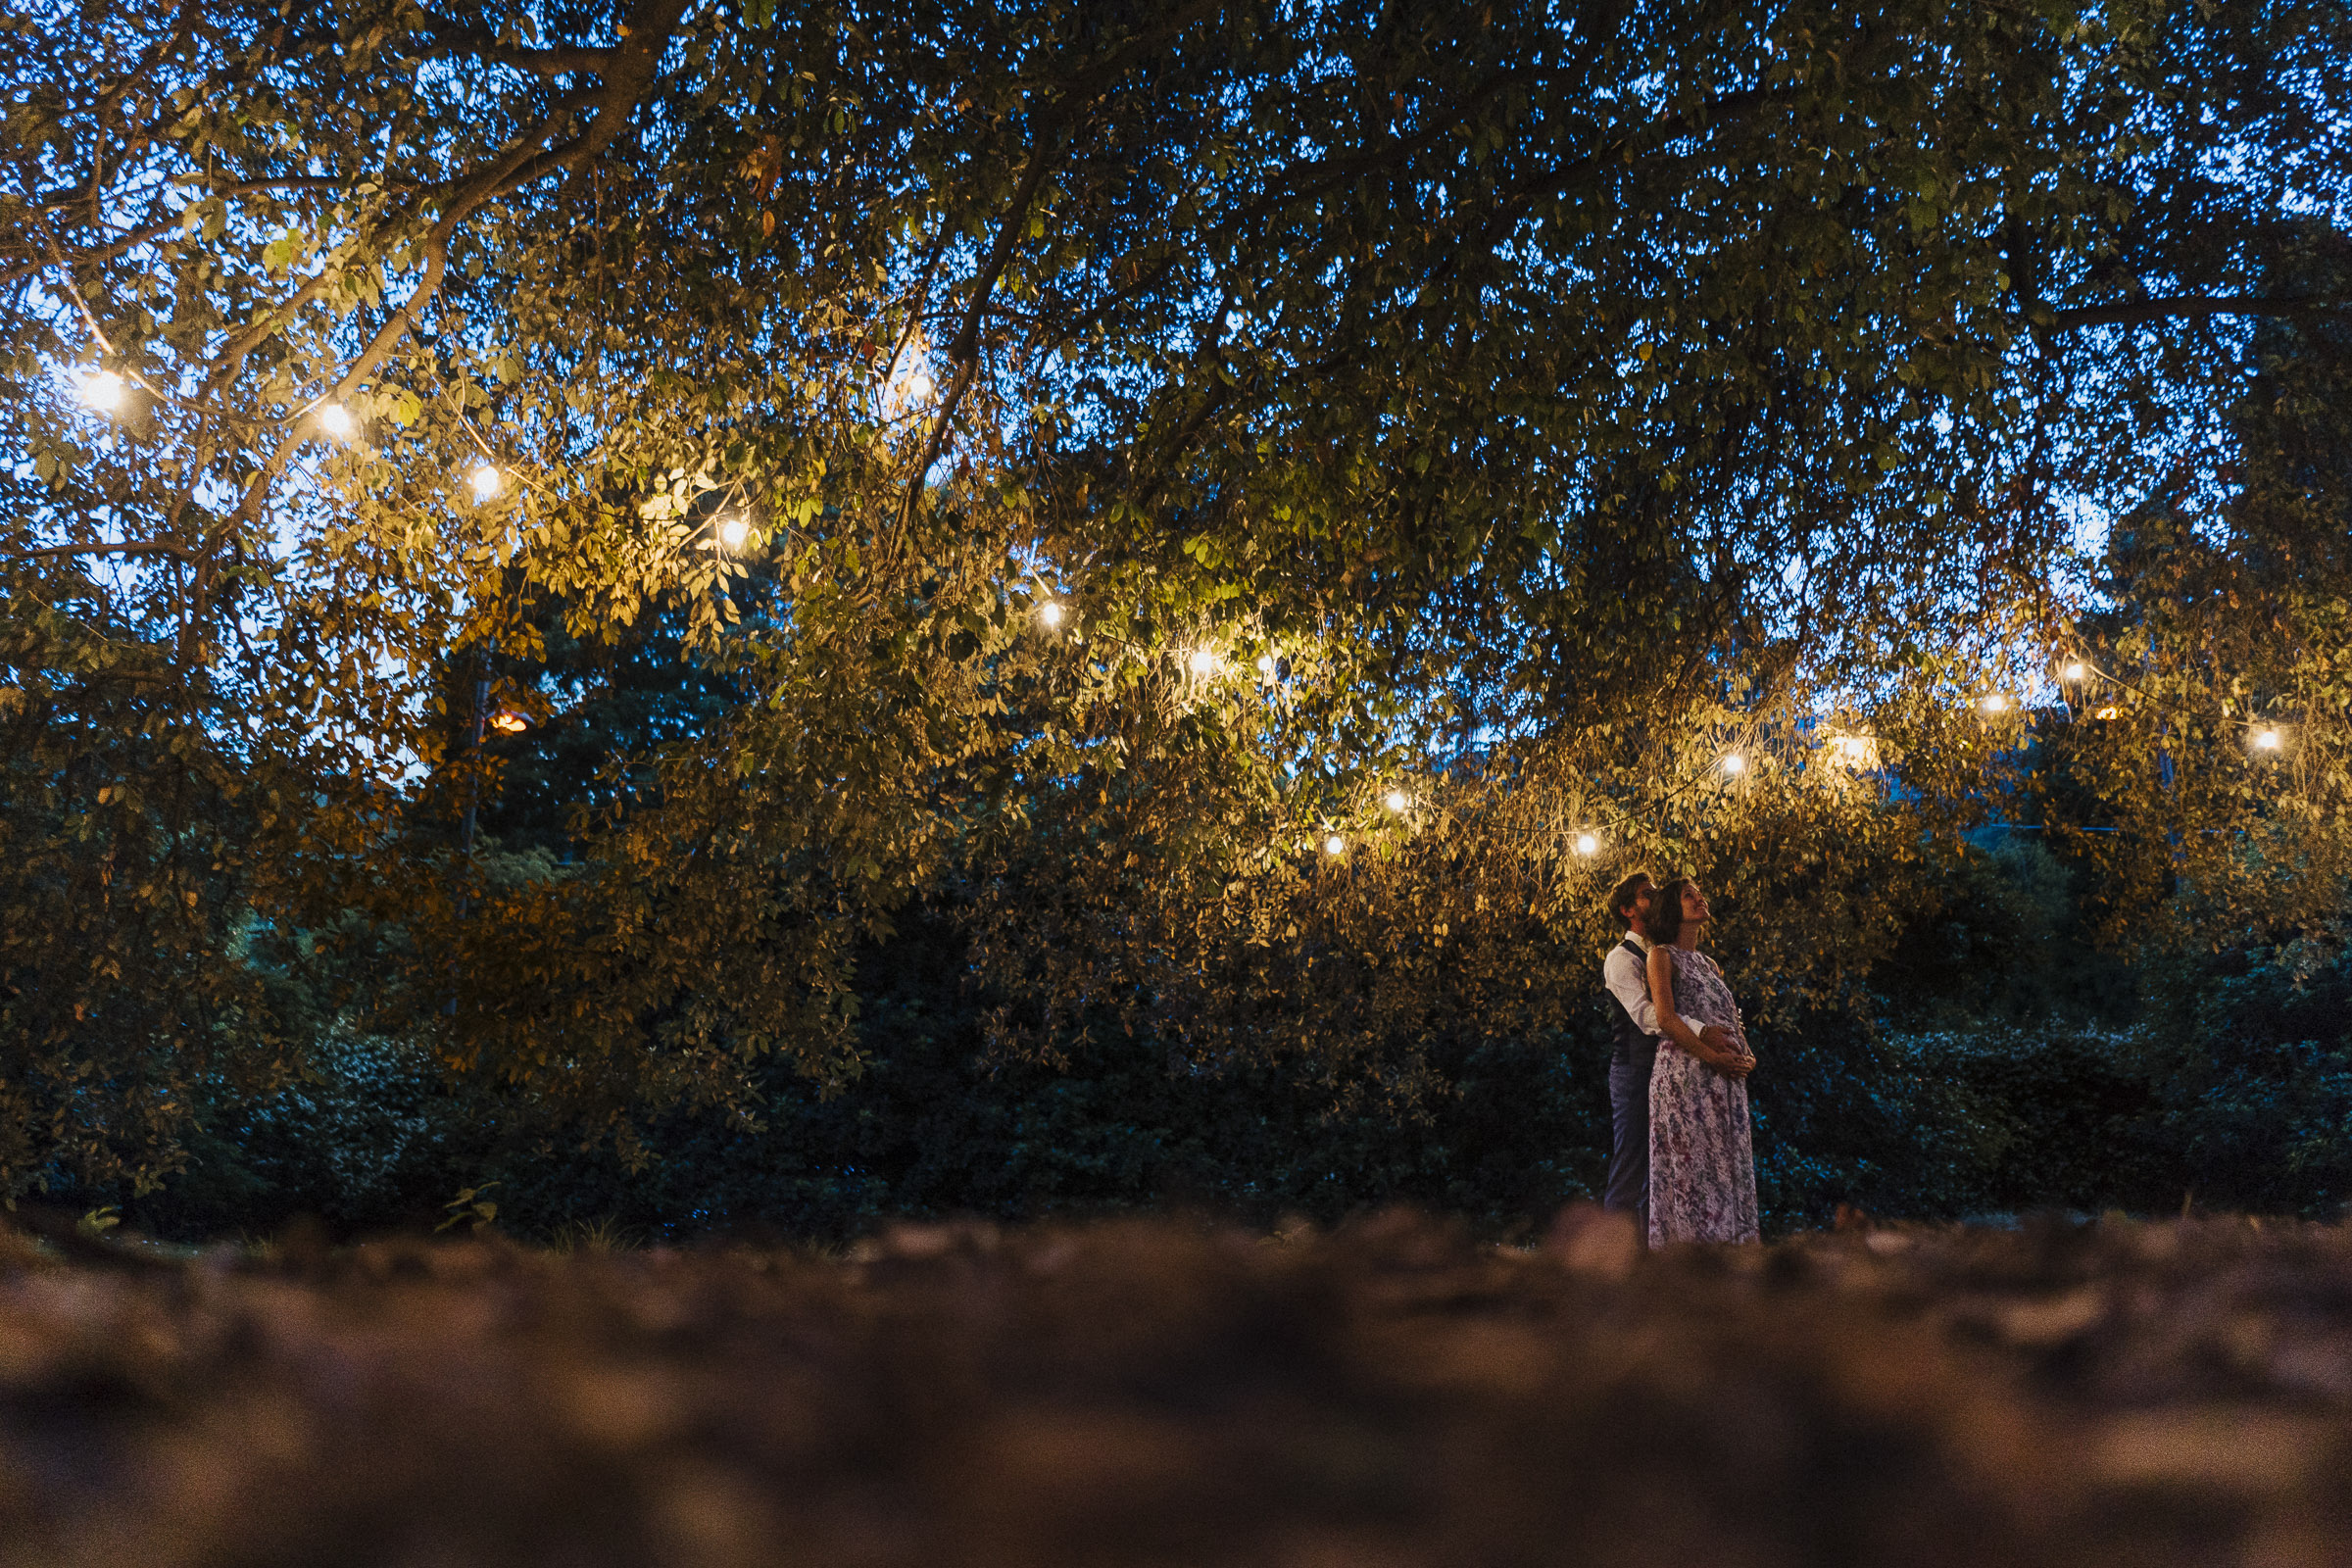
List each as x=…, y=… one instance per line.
x=964, y=349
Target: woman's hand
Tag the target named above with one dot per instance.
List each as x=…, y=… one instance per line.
x=1725, y=1053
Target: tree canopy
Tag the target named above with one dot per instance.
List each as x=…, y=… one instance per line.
x=1264, y=510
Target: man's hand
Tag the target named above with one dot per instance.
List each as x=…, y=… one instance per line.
x=1726, y=1057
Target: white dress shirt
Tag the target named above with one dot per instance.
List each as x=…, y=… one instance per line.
x=1628, y=980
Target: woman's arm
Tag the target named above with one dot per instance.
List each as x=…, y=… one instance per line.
x=1674, y=1027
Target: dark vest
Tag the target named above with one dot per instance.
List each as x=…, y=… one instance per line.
x=1632, y=1045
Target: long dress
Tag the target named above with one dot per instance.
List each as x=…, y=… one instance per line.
x=1703, y=1165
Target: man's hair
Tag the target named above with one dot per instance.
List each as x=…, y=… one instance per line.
x=1627, y=894
x=1665, y=922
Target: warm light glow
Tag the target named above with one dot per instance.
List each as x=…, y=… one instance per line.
x=1587, y=844
x=1050, y=612
x=1995, y=704
x=507, y=722
x=1265, y=665
x=1335, y=845
x=2075, y=670
x=335, y=420
x=733, y=531
x=2268, y=740
x=2104, y=713
x=911, y=385
x=1203, y=661
x=1853, y=748
x=1398, y=801
x=102, y=392
x=1734, y=764
x=487, y=482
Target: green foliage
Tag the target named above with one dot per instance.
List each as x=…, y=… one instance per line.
x=1555, y=400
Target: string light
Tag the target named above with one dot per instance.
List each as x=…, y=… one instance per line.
x=102, y=392
x=335, y=420
x=1335, y=845
x=1994, y=704
x=1854, y=748
x=1587, y=844
x=507, y=722
x=1202, y=662
x=2268, y=740
x=1734, y=764
x=487, y=482
x=2104, y=713
x=1398, y=801
x=1050, y=612
x=2075, y=670
x=733, y=531
x=1265, y=665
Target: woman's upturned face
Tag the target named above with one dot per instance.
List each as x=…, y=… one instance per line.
x=1695, y=908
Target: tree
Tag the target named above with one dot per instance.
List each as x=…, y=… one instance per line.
x=1552, y=398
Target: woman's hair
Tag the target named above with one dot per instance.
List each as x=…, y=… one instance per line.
x=1665, y=921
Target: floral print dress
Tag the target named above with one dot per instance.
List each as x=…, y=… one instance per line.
x=1702, y=1167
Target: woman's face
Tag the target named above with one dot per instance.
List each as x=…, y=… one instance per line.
x=1695, y=908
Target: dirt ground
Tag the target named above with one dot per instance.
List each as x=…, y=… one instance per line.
x=1166, y=1391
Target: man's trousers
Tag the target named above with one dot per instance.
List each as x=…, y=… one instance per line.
x=1628, y=1189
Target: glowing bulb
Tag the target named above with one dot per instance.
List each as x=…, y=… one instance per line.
x=1203, y=661
x=1050, y=612
x=1335, y=845
x=2075, y=670
x=1587, y=844
x=487, y=482
x=1397, y=800
x=733, y=531
x=1734, y=764
x=508, y=722
x=2267, y=740
x=336, y=421
x=1854, y=747
x=2104, y=713
x=1997, y=704
x=103, y=392
x=1265, y=665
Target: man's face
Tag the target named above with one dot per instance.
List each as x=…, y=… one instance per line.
x=1641, y=897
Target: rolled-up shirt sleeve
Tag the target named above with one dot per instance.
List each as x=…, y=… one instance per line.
x=1628, y=980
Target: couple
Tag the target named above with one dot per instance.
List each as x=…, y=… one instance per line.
x=1681, y=1157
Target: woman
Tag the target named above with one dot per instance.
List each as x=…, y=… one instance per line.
x=1702, y=1169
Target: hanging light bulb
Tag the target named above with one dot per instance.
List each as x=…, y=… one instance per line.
x=2268, y=740
x=1854, y=748
x=2104, y=713
x=1398, y=801
x=2073, y=671
x=1049, y=613
x=1587, y=844
x=335, y=420
x=1265, y=665
x=1335, y=845
x=733, y=531
x=507, y=722
x=1202, y=662
x=1734, y=764
x=102, y=392
x=1995, y=704
x=487, y=481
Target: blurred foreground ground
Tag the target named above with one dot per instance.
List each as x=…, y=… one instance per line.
x=1159, y=1392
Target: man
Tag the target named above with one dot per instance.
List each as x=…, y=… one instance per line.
x=1626, y=974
